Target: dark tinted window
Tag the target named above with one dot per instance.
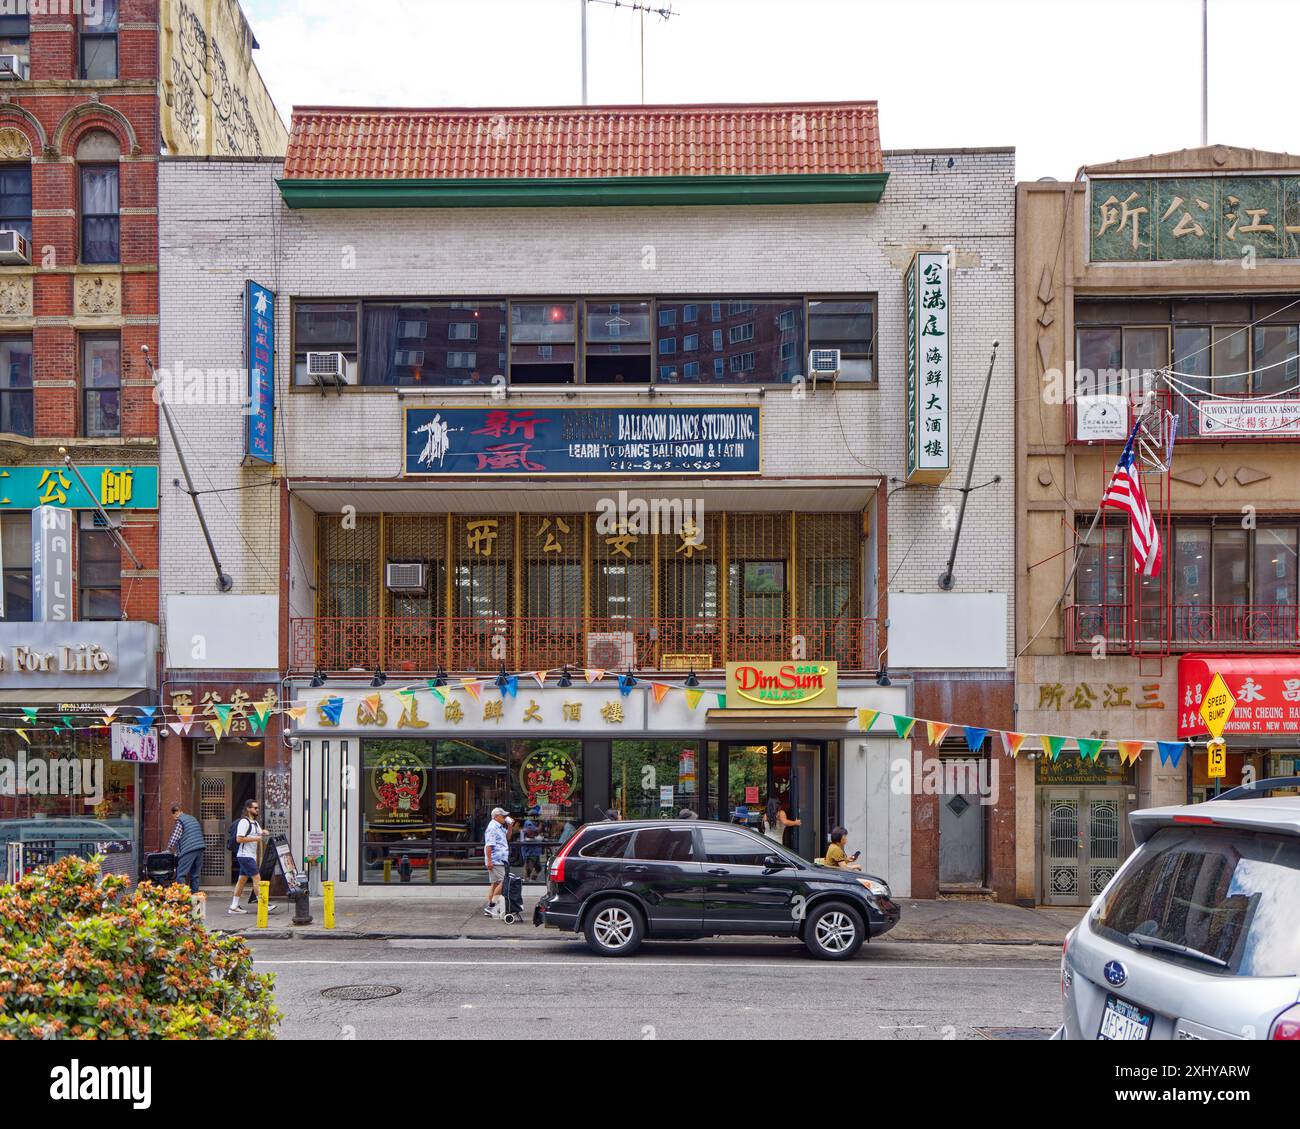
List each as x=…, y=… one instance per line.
x=612, y=846
x=734, y=848
x=1233, y=895
x=663, y=844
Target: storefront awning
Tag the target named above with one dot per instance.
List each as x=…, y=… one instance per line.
x=1266, y=689
x=113, y=696
x=835, y=718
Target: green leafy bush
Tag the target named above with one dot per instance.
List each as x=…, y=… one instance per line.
x=83, y=956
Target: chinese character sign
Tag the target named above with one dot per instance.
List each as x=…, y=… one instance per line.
x=929, y=348
x=1146, y=219
x=562, y=440
x=259, y=312
x=113, y=487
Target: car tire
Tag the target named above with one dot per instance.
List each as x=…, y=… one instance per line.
x=614, y=928
x=834, y=931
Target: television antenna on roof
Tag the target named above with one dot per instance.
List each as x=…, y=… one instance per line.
x=663, y=11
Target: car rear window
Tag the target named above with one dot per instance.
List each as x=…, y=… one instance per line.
x=1233, y=895
x=610, y=847
x=663, y=844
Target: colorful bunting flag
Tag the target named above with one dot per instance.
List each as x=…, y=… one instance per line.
x=1052, y=746
x=722, y=701
x=473, y=686
x=109, y=711
x=147, y=715
x=975, y=738
x=332, y=708
x=539, y=676
x=23, y=734
x=511, y=688
x=374, y=703
x=866, y=719
x=263, y=709
x=936, y=731
x=177, y=727
x=903, y=726
x=1129, y=751
x=216, y=726
x=593, y=675
x=693, y=697
x=295, y=712
x=30, y=712
x=1011, y=743
x=1171, y=752
x=659, y=690
x=1089, y=747
x=436, y=690
x=223, y=714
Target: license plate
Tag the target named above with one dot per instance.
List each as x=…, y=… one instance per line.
x=1122, y=1021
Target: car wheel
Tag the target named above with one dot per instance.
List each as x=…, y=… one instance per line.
x=614, y=929
x=834, y=932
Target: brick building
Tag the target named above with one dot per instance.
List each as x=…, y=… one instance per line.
x=449, y=284
x=80, y=139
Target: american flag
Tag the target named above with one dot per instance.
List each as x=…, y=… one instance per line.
x=1125, y=493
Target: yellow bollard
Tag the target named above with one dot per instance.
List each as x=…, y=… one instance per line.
x=263, y=903
x=327, y=893
x=388, y=871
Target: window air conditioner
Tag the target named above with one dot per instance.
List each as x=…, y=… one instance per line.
x=328, y=369
x=611, y=650
x=14, y=249
x=823, y=364
x=402, y=576
x=13, y=67
x=205, y=748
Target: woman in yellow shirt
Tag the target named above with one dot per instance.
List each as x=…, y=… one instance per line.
x=836, y=855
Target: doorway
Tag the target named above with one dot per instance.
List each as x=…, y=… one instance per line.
x=961, y=829
x=1083, y=841
x=793, y=773
x=220, y=795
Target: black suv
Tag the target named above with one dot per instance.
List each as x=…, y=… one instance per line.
x=621, y=882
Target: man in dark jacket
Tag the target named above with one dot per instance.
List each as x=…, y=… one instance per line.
x=187, y=843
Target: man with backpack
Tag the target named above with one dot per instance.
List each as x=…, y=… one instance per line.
x=244, y=838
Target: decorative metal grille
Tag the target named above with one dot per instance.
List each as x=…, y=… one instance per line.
x=690, y=601
x=413, y=630
x=1065, y=880
x=1100, y=876
x=552, y=587
x=482, y=553
x=1103, y=832
x=350, y=564
x=1063, y=829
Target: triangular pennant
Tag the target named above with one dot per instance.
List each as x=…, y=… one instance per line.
x=436, y=690
x=1011, y=743
x=262, y=709
x=147, y=715
x=1171, y=752
x=185, y=712
x=511, y=687
x=216, y=726
x=473, y=686
x=693, y=698
x=936, y=731
x=107, y=721
x=1129, y=751
x=722, y=701
x=1052, y=746
x=223, y=714
x=659, y=690
x=539, y=676
x=332, y=708
x=866, y=719
x=374, y=703
x=176, y=727
x=109, y=711
x=23, y=734
x=903, y=726
x=594, y=675
x=296, y=712
x=975, y=737
x=30, y=712
x=257, y=722
x=625, y=684
x=68, y=723
x=1089, y=747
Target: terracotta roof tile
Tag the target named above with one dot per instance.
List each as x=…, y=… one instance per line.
x=329, y=143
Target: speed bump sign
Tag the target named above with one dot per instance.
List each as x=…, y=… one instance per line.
x=1217, y=706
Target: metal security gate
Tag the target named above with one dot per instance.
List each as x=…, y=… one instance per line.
x=214, y=817
x=1084, y=839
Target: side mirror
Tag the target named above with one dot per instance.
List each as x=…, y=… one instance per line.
x=774, y=863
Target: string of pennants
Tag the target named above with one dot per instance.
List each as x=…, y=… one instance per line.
x=184, y=718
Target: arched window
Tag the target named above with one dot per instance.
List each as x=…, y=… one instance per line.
x=97, y=157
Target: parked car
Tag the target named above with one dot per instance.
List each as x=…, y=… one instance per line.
x=1197, y=936
x=622, y=882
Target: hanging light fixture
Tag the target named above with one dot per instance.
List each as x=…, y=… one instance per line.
x=691, y=680
x=502, y=678
x=318, y=679
x=565, y=680
x=379, y=679
x=440, y=679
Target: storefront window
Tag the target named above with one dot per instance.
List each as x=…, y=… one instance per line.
x=654, y=779
x=397, y=813
x=76, y=800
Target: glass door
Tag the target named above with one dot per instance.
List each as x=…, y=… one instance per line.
x=760, y=783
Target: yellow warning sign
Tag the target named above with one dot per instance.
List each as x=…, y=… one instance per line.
x=1217, y=706
x=1218, y=760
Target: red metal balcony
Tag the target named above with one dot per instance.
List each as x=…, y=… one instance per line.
x=422, y=646
x=1181, y=627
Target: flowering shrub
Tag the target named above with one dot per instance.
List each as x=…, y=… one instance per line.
x=84, y=957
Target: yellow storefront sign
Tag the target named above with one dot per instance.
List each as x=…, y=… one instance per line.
x=754, y=685
x=1217, y=706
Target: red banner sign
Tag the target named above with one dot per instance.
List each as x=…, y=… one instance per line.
x=1267, y=690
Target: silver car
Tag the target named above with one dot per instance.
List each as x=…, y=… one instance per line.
x=1198, y=934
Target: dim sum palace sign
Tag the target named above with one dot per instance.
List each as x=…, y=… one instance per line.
x=582, y=441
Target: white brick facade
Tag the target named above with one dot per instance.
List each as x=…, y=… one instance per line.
x=222, y=221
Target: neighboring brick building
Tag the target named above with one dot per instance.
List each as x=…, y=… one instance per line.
x=79, y=146
x=684, y=263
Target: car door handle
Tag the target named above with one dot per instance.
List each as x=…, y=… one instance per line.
x=720, y=871
x=634, y=870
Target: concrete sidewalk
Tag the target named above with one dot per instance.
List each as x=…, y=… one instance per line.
x=455, y=914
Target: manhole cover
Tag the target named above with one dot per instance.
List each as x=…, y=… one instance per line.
x=360, y=992
x=1014, y=1032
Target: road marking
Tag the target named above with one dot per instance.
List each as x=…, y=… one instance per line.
x=800, y=965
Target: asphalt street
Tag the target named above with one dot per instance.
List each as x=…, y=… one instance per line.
x=720, y=989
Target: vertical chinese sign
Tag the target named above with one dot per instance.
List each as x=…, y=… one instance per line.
x=259, y=314
x=929, y=349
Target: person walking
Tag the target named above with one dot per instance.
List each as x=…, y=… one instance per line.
x=496, y=855
x=777, y=821
x=248, y=837
x=187, y=844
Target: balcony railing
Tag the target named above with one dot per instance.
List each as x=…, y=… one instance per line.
x=419, y=645
x=1231, y=627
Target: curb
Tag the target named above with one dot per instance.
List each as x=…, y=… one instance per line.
x=366, y=935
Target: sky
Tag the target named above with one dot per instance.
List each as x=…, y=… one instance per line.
x=1067, y=82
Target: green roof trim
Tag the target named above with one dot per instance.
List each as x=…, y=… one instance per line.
x=587, y=192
